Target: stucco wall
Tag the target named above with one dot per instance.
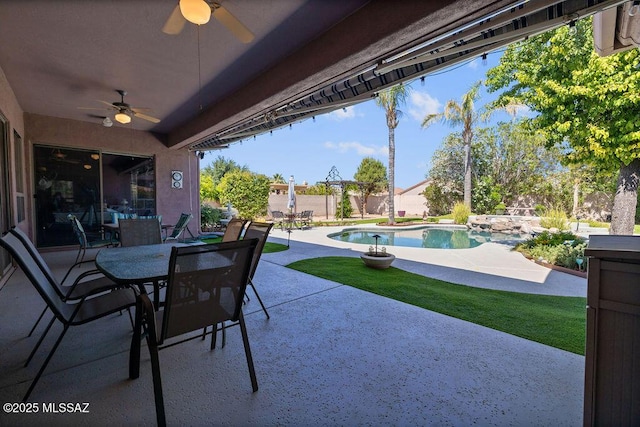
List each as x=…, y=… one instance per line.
x=170, y=202
x=414, y=205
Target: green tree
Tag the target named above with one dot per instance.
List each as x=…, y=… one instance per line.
x=461, y=114
x=207, y=189
x=278, y=179
x=319, y=189
x=247, y=192
x=374, y=174
x=390, y=99
x=211, y=175
x=587, y=105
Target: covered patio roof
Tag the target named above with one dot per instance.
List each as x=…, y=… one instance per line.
x=209, y=89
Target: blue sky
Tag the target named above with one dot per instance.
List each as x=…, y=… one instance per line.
x=342, y=139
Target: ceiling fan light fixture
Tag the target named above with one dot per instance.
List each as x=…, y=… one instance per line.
x=195, y=11
x=122, y=118
x=107, y=122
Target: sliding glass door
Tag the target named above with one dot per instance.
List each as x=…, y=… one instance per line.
x=91, y=185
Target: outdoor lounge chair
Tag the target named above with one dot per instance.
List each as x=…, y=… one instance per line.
x=85, y=243
x=180, y=227
x=83, y=310
x=206, y=286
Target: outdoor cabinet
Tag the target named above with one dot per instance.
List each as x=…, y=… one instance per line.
x=612, y=370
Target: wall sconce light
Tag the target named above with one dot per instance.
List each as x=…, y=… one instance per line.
x=87, y=167
x=95, y=156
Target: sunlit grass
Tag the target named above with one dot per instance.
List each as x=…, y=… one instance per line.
x=552, y=320
x=269, y=247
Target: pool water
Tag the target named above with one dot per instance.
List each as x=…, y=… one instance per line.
x=425, y=237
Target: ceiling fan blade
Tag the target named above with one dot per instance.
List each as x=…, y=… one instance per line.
x=175, y=23
x=145, y=117
x=93, y=108
x=236, y=27
x=107, y=103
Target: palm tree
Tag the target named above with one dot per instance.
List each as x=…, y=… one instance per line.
x=390, y=99
x=278, y=178
x=464, y=114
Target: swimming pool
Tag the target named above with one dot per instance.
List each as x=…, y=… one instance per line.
x=424, y=237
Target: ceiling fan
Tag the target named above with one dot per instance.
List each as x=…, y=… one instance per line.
x=124, y=111
x=199, y=12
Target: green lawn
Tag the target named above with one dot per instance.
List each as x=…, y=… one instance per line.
x=551, y=320
x=268, y=247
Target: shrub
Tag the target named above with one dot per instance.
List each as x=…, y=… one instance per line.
x=562, y=249
x=460, y=213
x=539, y=209
x=500, y=208
x=209, y=215
x=555, y=218
x=344, y=208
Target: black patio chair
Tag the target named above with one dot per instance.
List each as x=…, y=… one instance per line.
x=83, y=310
x=278, y=219
x=80, y=287
x=138, y=232
x=260, y=231
x=84, y=241
x=206, y=286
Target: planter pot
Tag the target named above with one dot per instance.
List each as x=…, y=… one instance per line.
x=401, y=213
x=378, y=261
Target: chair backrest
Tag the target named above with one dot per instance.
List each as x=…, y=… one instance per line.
x=206, y=285
x=33, y=251
x=138, y=232
x=260, y=231
x=180, y=226
x=117, y=216
x=233, y=230
x=47, y=290
x=78, y=230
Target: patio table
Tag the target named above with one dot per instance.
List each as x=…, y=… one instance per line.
x=137, y=265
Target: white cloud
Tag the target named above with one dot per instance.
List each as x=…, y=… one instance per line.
x=519, y=110
x=421, y=104
x=474, y=64
x=344, y=114
x=360, y=149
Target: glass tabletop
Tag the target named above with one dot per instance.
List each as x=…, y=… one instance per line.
x=135, y=264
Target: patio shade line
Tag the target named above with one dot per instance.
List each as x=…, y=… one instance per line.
x=518, y=27
x=366, y=84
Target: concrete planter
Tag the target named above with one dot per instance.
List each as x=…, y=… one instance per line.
x=378, y=261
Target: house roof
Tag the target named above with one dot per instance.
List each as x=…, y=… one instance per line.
x=416, y=188
x=209, y=89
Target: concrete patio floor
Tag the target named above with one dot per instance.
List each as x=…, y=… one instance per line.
x=329, y=355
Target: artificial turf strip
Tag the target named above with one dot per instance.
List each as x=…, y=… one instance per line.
x=552, y=320
x=269, y=247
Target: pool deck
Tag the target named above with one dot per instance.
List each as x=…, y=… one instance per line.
x=490, y=265
x=329, y=355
